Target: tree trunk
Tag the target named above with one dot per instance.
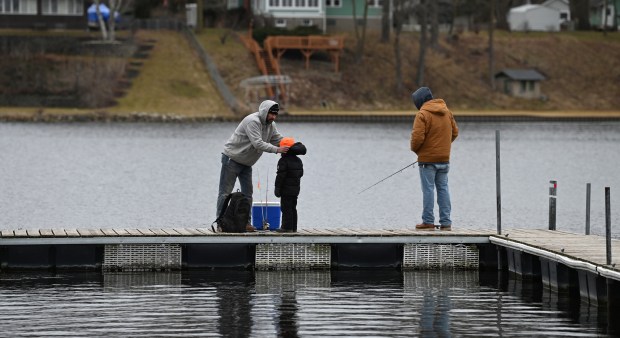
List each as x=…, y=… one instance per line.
x=102, y=25
x=421, y=59
x=605, y=18
x=434, y=16
x=385, y=21
x=398, y=25
x=580, y=11
x=491, y=52
x=360, y=42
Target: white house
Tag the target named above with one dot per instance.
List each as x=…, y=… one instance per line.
x=534, y=18
x=292, y=13
x=562, y=6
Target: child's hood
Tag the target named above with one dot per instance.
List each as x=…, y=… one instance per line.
x=297, y=149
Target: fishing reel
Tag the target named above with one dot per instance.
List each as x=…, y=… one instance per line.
x=265, y=225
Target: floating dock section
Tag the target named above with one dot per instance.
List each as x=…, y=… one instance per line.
x=562, y=261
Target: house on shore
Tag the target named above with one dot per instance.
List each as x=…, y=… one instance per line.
x=601, y=16
x=533, y=18
x=524, y=83
x=43, y=14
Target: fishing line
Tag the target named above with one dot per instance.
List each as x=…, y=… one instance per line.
x=388, y=177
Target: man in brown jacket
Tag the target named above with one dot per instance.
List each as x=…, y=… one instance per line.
x=434, y=129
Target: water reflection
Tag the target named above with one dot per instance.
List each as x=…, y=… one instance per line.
x=292, y=304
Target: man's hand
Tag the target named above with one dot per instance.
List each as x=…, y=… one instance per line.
x=282, y=150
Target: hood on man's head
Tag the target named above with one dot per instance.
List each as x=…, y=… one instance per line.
x=264, y=109
x=420, y=96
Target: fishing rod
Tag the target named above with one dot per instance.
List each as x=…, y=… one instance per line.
x=388, y=177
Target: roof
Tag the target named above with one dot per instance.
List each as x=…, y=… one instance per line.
x=522, y=74
x=525, y=8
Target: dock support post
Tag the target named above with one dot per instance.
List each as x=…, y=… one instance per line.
x=498, y=184
x=608, y=224
x=588, y=193
x=552, y=204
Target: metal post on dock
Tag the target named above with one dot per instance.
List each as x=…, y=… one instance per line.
x=588, y=192
x=552, y=203
x=498, y=184
x=608, y=224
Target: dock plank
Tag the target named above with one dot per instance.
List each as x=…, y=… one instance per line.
x=109, y=232
x=193, y=232
x=122, y=232
x=33, y=233
x=59, y=232
x=158, y=232
x=21, y=233
x=146, y=232
x=7, y=233
x=183, y=232
x=46, y=233
x=72, y=233
x=133, y=232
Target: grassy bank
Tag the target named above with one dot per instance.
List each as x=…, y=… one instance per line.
x=582, y=70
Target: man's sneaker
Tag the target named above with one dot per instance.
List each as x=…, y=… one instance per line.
x=445, y=228
x=425, y=226
x=250, y=228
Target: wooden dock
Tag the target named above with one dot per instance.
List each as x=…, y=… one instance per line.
x=560, y=260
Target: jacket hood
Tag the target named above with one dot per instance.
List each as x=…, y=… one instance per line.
x=297, y=149
x=436, y=106
x=263, y=110
x=420, y=96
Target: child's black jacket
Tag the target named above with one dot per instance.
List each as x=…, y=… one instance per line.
x=290, y=171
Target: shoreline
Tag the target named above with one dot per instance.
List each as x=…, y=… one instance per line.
x=60, y=116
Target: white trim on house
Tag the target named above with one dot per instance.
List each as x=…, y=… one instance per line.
x=62, y=7
x=18, y=7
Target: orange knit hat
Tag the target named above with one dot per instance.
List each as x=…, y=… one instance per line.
x=287, y=142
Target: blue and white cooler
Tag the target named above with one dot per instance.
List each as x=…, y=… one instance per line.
x=268, y=211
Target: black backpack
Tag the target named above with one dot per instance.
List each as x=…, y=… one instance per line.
x=235, y=213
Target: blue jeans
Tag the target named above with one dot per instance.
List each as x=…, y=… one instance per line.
x=435, y=175
x=232, y=170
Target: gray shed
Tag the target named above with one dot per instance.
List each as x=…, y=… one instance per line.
x=523, y=83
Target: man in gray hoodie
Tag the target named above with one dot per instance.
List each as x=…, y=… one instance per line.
x=257, y=133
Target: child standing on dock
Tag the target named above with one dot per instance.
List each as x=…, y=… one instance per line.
x=288, y=182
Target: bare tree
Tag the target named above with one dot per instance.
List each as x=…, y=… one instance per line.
x=360, y=36
x=422, y=14
x=491, y=52
x=108, y=31
x=580, y=11
x=399, y=17
x=434, y=16
x=385, y=21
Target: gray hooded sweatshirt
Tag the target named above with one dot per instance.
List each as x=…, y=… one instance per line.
x=253, y=136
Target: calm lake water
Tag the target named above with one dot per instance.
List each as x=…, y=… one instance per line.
x=290, y=304
x=166, y=175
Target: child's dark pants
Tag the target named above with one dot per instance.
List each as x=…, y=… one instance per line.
x=288, y=205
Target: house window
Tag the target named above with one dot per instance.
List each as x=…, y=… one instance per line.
x=313, y=3
x=281, y=23
x=63, y=7
x=523, y=86
x=375, y=3
x=287, y=3
x=274, y=3
x=333, y=3
x=306, y=22
x=18, y=7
